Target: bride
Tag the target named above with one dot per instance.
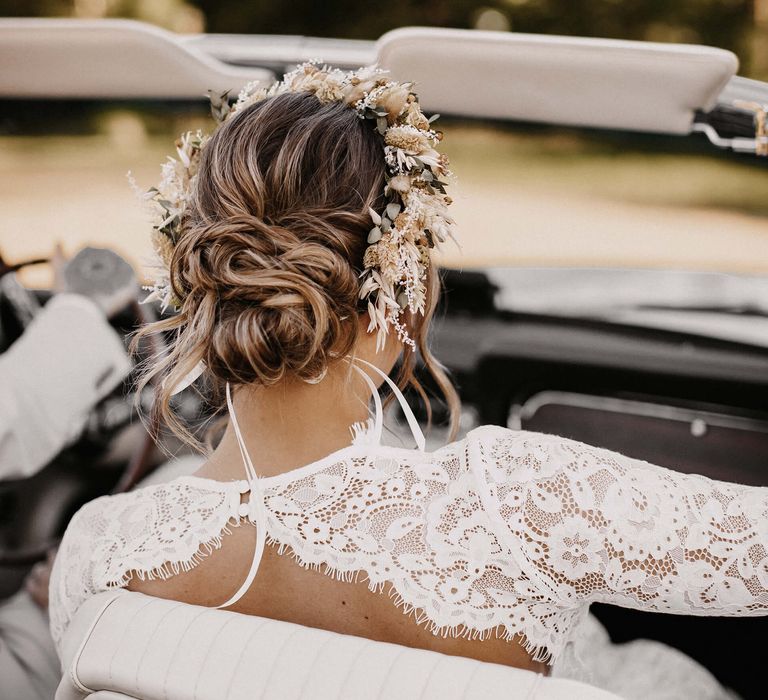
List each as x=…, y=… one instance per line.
x=296, y=242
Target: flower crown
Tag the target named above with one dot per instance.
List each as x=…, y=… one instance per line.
x=414, y=219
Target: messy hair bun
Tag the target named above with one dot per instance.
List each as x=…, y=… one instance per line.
x=271, y=248
x=270, y=301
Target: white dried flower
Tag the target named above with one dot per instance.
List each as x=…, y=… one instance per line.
x=407, y=138
x=394, y=100
x=399, y=183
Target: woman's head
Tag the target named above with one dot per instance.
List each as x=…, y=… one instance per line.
x=271, y=255
x=271, y=247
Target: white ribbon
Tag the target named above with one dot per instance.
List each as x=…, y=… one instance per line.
x=418, y=436
x=256, y=511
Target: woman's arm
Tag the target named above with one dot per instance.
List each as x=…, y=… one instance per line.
x=591, y=525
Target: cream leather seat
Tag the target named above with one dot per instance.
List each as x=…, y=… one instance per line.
x=125, y=646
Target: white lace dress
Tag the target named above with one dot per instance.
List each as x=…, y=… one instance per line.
x=502, y=533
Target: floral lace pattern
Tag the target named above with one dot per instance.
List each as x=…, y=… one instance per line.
x=156, y=532
x=593, y=526
x=503, y=533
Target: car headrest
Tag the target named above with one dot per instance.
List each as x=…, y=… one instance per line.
x=108, y=58
x=123, y=644
x=604, y=83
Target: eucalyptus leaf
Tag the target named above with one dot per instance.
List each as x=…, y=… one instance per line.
x=220, y=106
x=381, y=125
x=386, y=224
x=393, y=209
x=402, y=300
x=374, y=236
x=433, y=117
x=374, y=216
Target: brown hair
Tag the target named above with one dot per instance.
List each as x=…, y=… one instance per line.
x=268, y=261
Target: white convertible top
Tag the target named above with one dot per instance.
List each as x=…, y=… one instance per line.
x=603, y=83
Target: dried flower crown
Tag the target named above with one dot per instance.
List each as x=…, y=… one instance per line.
x=414, y=220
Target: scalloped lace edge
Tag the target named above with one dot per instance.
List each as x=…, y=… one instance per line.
x=177, y=566
x=537, y=651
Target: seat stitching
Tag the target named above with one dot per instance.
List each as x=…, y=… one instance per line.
x=359, y=653
x=78, y=656
x=148, y=642
x=391, y=666
x=242, y=654
x=125, y=634
x=280, y=648
x=176, y=651
x=429, y=677
x=210, y=646
x=309, y=671
x=478, y=665
x=531, y=694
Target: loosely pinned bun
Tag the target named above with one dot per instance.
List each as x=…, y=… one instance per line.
x=271, y=300
x=271, y=245
x=270, y=251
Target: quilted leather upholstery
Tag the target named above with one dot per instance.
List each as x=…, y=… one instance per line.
x=123, y=646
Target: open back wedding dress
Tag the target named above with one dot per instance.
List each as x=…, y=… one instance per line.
x=501, y=533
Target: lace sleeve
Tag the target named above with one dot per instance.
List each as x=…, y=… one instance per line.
x=152, y=532
x=592, y=525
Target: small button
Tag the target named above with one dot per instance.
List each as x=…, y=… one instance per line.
x=243, y=487
x=242, y=510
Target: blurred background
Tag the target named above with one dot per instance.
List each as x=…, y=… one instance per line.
x=738, y=25
x=526, y=195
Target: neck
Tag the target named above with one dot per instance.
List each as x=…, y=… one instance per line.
x=291, y=424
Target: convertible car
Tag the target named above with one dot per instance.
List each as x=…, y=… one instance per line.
x=639, y=328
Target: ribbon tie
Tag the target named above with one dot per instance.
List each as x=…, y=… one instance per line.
x=255, y=510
